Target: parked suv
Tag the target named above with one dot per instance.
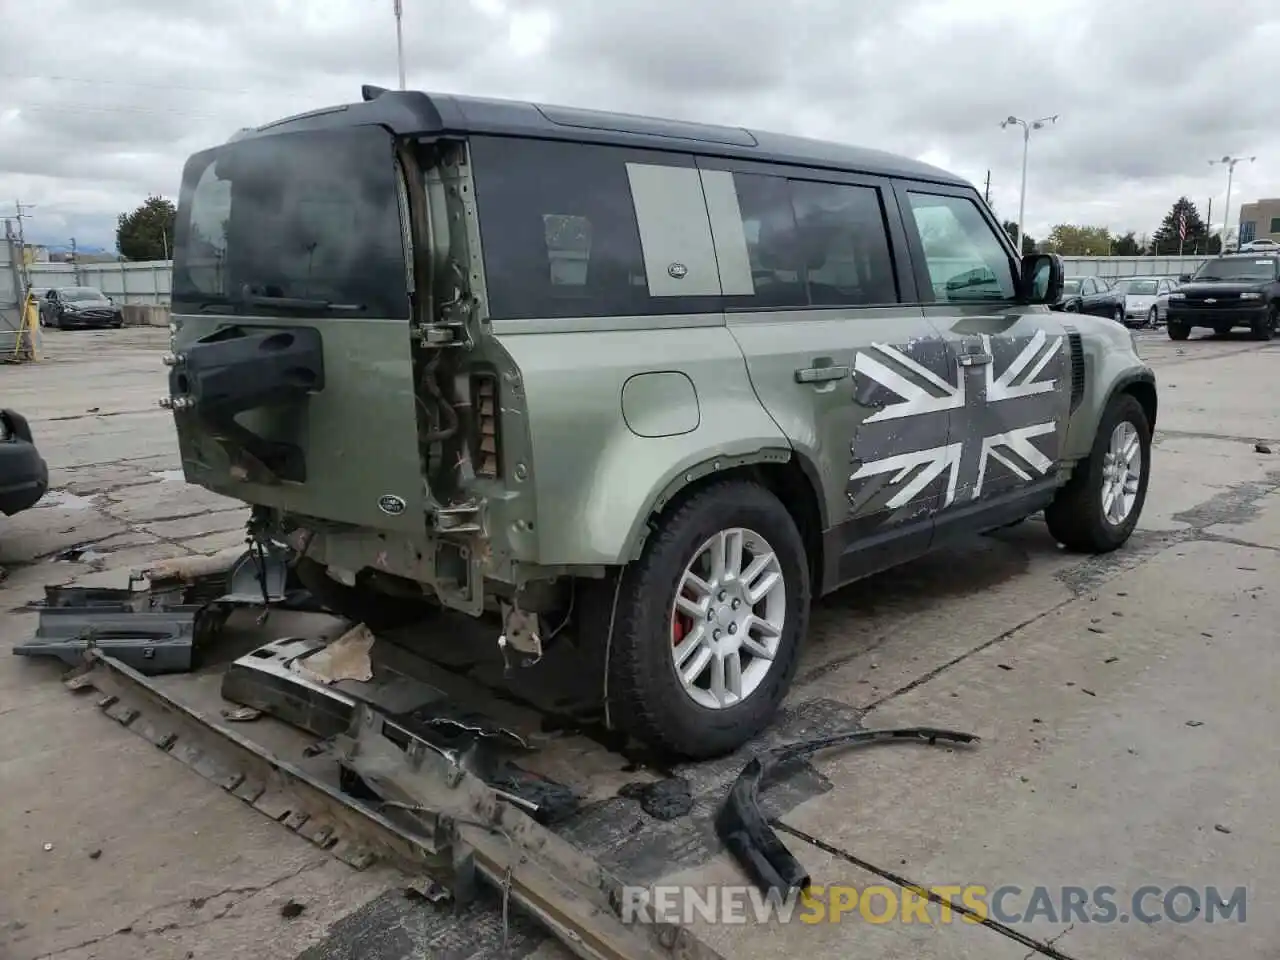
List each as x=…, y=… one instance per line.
x=643, y=386
x=1238, y=290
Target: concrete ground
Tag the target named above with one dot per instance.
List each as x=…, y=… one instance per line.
x=1125, y=705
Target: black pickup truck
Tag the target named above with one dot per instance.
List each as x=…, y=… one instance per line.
x=1236, y=290
x=24, y=476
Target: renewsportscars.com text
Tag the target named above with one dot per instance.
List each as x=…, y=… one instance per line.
x=964, y=903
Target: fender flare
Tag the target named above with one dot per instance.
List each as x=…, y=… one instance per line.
x=711, y=466
x=1144, y=375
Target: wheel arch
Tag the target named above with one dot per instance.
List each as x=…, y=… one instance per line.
x=787, y=474
x=1137, y=381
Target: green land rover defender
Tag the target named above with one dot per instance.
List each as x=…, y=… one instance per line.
x=647, y=387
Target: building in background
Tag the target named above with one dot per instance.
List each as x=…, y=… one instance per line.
x=35, y=253
x=1260, y=220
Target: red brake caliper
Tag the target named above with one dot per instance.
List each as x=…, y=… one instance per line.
x=679, y=627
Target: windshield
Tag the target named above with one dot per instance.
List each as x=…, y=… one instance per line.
x=1070, y=286
x=296, y=221
x=1137, y=288
x=80, y=294
x=1242, y=268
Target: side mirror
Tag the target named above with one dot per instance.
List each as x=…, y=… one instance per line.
x=1184, y=278
x=1042, y=276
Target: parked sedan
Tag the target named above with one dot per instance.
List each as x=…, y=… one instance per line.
x=1146, y=299
x=1091, y=295
x=66, y=307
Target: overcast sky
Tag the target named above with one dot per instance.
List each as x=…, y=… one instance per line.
x=102, y=100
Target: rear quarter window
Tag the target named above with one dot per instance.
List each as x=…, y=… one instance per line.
x=561, y=238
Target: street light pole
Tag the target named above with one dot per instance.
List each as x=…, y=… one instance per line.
x=399, y=9
x=1230, y=163
x=1027, y=127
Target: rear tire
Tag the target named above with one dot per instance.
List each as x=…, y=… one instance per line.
x=1084, y=516
x=1178, y=331
x=361, y=603
x=651, y=633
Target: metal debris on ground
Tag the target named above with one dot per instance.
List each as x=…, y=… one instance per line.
x=240, y=714
x=156, y=622
x=745, y=831
x=402, y=800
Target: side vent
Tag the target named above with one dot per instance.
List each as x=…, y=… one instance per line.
x=485, y=401
x=1076, y=347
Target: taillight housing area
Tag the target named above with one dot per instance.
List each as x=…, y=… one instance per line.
x=486, y=440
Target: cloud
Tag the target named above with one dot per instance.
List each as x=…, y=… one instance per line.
x=103, y=102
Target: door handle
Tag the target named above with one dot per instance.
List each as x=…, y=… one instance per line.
x=821, y=374
x=975, y=359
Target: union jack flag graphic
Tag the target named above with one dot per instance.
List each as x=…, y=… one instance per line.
x=1001, y=415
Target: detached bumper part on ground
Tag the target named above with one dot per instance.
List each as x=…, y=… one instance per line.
x=24, y=476
x=746, y=833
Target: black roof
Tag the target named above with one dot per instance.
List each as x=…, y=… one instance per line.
x=411, y=113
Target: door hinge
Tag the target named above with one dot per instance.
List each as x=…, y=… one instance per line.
x=449, y=333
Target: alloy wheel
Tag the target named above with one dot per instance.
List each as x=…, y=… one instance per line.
x=727, y=618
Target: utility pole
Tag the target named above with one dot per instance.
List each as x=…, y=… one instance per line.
x=1027, y=127
x=1208, y=228
x=22, y=244
x=399, y=10
x=1230, y=163
x=75, y=261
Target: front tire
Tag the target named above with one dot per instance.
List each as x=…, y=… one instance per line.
x=1118, y=315
x=1265, y=328
x=1153, y=318
x=1178, y=331
x=709, y=621
x=1099, y=507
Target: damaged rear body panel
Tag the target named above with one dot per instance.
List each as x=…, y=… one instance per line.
x=328, y=362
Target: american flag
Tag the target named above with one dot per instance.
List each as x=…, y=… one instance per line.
x=1182, y=226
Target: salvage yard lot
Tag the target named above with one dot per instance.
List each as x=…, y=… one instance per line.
x=1126, y=705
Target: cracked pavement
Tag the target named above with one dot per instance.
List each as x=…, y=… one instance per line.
x=1125, y=705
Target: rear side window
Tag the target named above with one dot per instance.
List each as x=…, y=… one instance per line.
x=846, y=248
x=965, y=258
x=813, y=244
x=773, y=242
x=559, y=230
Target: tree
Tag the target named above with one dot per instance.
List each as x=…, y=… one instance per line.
x=1070, y=240
x=147, y=232
x=1028, y=242
x=1127, y=246
x=1166, y=241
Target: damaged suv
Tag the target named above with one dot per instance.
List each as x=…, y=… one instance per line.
x=644, y=386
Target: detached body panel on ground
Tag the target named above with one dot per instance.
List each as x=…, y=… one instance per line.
x=639, y=385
